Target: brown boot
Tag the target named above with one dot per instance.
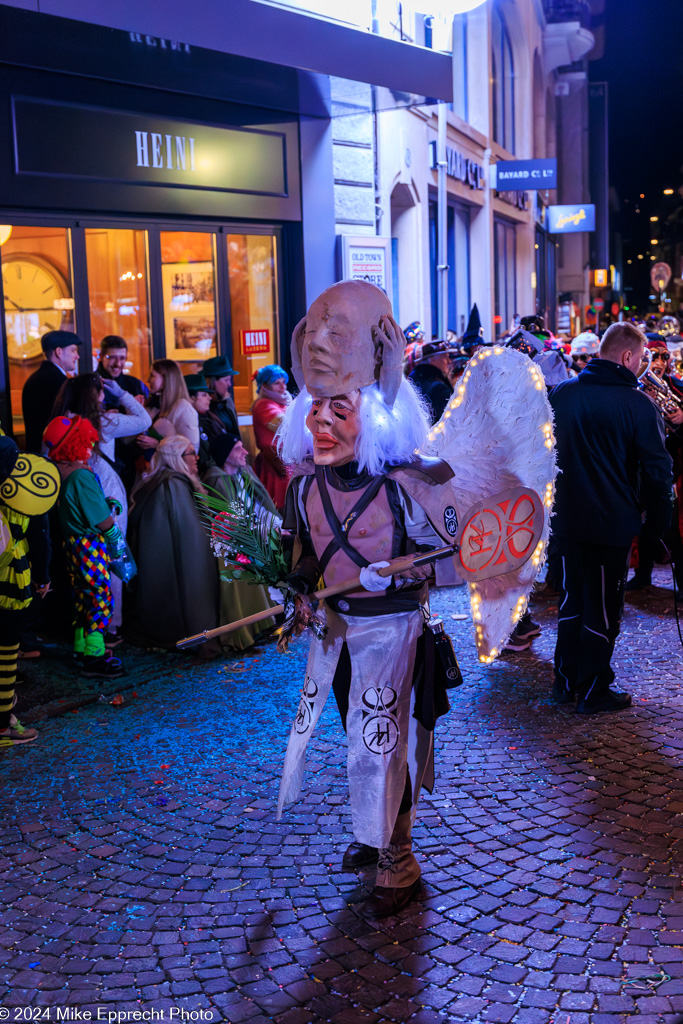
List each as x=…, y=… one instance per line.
x=398, y=873
x=358, y=855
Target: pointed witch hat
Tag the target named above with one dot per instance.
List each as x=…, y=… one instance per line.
x=474, y=334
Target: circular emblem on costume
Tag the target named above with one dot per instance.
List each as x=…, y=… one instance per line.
x=304, y=715
x=380, y=724
x=32, y=487
x=380, y=733
x=343, y=606
x=450, y=521
x=500, y=535
x=452, y=672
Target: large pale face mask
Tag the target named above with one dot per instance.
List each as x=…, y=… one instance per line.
x=348, y=340
x=335, y=426
x=337, y=346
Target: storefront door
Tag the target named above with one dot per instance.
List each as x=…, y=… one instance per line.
x=171, y=291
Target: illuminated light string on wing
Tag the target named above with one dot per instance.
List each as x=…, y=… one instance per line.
x=484, y=434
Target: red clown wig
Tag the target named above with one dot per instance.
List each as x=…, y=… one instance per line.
x=70, y=439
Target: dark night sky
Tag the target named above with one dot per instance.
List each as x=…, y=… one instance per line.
x=643, y=64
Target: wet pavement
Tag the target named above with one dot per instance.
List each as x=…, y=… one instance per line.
x=143, y=868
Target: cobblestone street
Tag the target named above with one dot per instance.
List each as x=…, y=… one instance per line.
x=143, y=867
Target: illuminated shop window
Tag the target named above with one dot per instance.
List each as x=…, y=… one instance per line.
x=38, y=294
x=188, y=279
x=118, y=293
x=252, y=268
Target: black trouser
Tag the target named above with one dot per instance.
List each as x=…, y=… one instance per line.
x=591, y=602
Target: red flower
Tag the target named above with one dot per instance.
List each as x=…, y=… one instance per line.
x=242, y=559
x=219, y=528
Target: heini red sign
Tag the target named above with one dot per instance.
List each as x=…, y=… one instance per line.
x=255, y=342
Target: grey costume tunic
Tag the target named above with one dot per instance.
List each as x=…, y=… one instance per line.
x=344, y=521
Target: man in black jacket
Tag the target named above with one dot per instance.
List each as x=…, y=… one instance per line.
x=613, y=464
x=60, y=349
x=430, y=376
x=113, y=359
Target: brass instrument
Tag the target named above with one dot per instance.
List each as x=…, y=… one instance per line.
x=658, y=391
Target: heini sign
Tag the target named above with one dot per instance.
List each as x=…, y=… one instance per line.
x=71, y=141
x=255, y=342
x=173, y=152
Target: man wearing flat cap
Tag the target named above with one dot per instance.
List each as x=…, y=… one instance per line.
x=60, y=349
x=430, y=376
x=219, y=374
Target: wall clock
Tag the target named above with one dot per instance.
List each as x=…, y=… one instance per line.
x=31, y=285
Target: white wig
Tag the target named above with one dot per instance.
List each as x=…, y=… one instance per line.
x=388, y=436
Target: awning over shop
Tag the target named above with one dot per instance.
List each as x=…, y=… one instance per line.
x=255, y=31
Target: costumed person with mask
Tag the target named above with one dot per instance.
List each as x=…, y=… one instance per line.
x=93, y=542
x=267, y=412
x=29, y=486
x=361, y=496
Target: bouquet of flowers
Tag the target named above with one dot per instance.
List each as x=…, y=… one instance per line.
x=245, y=535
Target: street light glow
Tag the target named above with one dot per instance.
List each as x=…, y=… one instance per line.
x=654, y=218
x=668, y=191
x=654, y=241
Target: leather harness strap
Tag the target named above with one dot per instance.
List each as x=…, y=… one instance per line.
x=340, y=530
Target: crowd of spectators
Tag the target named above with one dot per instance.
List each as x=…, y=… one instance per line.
x=130, y=555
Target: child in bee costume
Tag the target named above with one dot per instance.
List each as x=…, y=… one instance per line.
x=361, y=496
x=29, y=486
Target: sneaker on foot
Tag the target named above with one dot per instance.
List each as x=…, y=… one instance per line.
x=102, y=667
x=526, y=630
x=516, y=644
x=112, y=640
x=612, y=700
x=17, y=733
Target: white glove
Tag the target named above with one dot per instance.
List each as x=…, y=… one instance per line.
x=371, y=580
x=276, y=596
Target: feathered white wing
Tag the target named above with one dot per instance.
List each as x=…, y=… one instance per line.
x=497, y=432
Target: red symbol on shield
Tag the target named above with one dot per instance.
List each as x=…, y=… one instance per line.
x=500, y=534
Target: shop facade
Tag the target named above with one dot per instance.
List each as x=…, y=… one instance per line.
x=170, y=220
